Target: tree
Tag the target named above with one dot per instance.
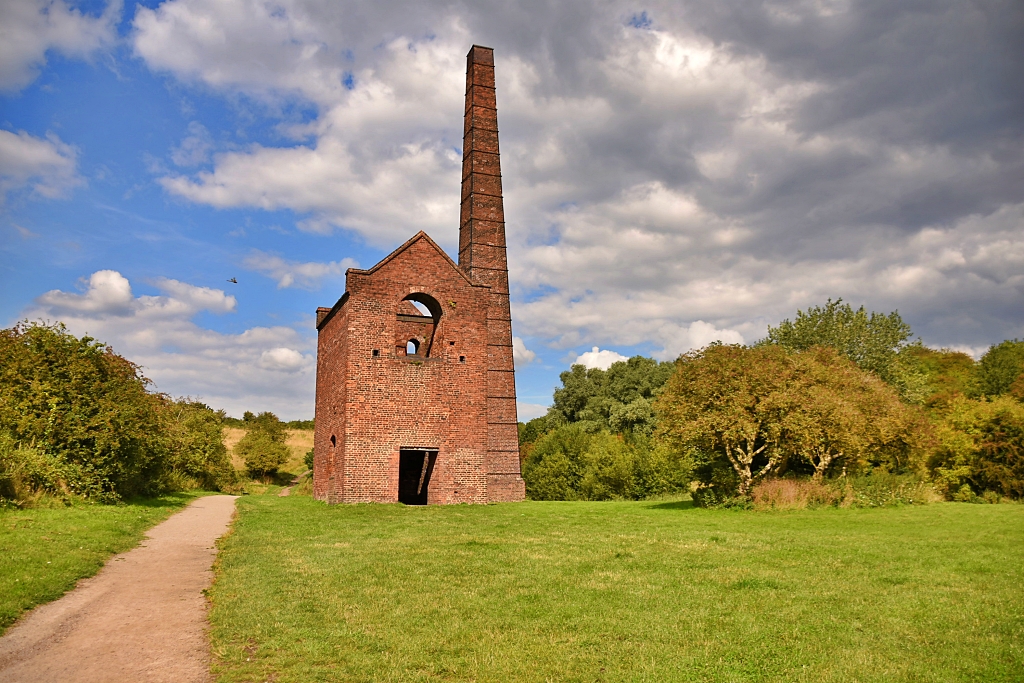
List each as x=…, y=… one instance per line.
x=197, y=455
x=83, y=409
x=759, y=411
x=263, y=446
x=834, y=413
x=1001, y=365
x=724, y=403
x=572, y=463
x=618, y=398
x=981, y=448
x=948, y=374
x=875, y=342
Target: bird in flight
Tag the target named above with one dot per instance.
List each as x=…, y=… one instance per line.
x=233, y=280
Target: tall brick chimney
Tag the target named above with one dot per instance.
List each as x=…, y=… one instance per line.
x=482, y=257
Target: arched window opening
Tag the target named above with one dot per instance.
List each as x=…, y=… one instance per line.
x=334, y=441
x=419, y=315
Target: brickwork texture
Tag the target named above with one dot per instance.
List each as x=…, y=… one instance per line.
x=439, y=377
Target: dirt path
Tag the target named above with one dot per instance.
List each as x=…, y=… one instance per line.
x=141, y=618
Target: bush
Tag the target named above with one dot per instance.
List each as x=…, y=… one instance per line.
x=197, y=455
x=76, y=419
x=263, y=446
x=795, y=494
x=572, y=463
x=981, y=448
x=309, y=459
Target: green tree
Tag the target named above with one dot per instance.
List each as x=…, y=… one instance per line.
x=572, y=463
x=835, y=414
x=1001, y=365
x=84, y=409
x=981, y=448
x=876, y=342
x=723, y=403
x=263, y=446
x=197, y=455
x=948, y=374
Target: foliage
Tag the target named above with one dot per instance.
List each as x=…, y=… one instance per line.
x=835, y=414
x=83, y=407
x=618, y=399
x=875, y=342
x=76, y=419
x=197, y=455
x=308, y=459
x=748, y=413
x=573, y=463
x=948, y=374
x=300, y=424
x=47, y=550
x=263, y=446
x=981, y=448
x=1000, y=367
x=794, y=494
x=617, y=591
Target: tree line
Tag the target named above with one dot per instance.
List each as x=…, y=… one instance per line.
x=79, y=420
x=838, y=398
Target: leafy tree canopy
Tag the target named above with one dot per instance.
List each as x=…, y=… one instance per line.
x=618, y=398
x=876, y=342
x=1000, y=367
x=756, y=411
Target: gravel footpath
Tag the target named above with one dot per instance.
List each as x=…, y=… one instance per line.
x=141, y=618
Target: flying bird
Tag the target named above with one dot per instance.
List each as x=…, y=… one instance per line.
x=233, y=280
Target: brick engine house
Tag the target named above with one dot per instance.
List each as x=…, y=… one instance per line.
x=415, y=388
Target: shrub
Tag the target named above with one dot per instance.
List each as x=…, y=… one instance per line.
x=309, y=459
x=981, y=448
x=795, y=494
x=1001, y=365
x=197, y=455
x=572, y=463
x=76, y=419
x=263, y=446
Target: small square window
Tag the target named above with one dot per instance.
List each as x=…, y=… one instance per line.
x=376, y=352
x=462, y=359
x=451, y=343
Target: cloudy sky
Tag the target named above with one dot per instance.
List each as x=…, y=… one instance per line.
x=675, y=172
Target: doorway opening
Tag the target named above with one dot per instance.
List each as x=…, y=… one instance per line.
x=415, y=465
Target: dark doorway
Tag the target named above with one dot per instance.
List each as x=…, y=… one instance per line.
x=414, y=468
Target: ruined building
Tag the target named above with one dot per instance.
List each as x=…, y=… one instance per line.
x=415, y=392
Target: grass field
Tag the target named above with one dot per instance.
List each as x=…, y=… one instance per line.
x=44, y=551
x=618, y=592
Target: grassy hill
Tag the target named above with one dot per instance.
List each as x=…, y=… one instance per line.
x=621, y=591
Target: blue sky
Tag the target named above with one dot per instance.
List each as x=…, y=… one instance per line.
x=675, y=173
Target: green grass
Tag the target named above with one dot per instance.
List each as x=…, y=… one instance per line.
x=618, y=592
x=44, y=551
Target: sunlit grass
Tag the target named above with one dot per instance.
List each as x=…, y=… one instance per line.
x=618, y=591
x=44, y=551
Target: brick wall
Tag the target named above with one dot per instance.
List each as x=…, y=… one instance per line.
x=457, y=394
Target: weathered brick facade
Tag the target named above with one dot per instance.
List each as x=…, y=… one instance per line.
x=422, y=403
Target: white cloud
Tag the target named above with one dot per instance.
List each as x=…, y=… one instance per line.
x=596, y=358
x=261, y=368
x=671, y=186
x=194, y=148
x=283, y=359
x=294, y=273
x=521, y=355
x=47, y=166
x=30, y=28
x=527, y=411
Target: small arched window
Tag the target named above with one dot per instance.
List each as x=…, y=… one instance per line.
x=412, y=347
